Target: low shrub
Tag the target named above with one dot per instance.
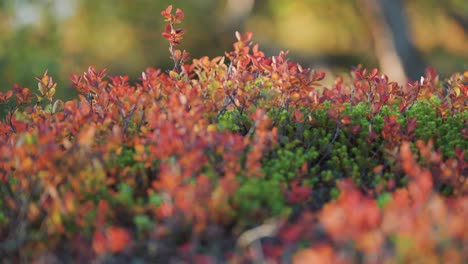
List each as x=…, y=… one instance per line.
x=237, y=158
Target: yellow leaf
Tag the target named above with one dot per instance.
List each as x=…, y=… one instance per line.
x=457, y=90
x=174, y=75
x=211, y=128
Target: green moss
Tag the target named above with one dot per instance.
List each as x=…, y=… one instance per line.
x=125, y=194
x=259, y=196
x=233, y=121
x=143, y=222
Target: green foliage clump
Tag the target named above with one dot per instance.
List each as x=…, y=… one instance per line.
x=444, y=131
x=233, y=121
x=259, y=198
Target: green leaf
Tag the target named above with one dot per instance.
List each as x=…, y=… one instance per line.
x=384, y=199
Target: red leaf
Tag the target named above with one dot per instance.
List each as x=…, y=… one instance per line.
x=5, y=96
x=319, y=76
x=103, y=208
x=346, y=120
x=23, y=95
x=291, y=233
x=355, y=129
x=204, y=259
x=179, y=16
x=431, y=74
x=167, y=33
x=298, y=193
x=411, y=124
x=373, y=73
x=99, y=243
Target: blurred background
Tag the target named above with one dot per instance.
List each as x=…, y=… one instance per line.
x=66, y=36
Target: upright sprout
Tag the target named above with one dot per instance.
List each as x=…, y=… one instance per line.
x=47, y=88
x=174, y=36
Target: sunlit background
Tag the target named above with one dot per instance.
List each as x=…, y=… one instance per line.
x=124, y=36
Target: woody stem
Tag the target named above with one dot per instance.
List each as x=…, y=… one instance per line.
x=171, y=49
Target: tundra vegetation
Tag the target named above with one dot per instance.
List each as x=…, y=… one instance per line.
x=240, y=158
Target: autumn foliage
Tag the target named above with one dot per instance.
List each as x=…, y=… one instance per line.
x=242, y=158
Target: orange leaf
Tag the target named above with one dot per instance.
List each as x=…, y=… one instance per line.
x=370, y=242
x=86, y=137
x=378, y=169
x=407, y=160
x=117, y=239
x=85, y=108
x=321, y=254
x=167, y=13
x=33, y=212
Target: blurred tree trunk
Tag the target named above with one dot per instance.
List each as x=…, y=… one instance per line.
x=396, y=54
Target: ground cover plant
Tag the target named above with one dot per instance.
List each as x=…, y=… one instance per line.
x=240, y=158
